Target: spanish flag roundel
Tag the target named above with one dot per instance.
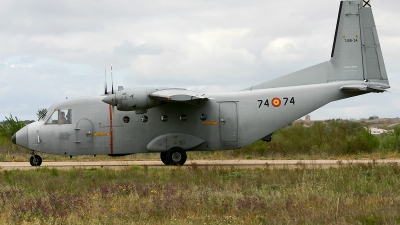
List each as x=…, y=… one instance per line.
x=276, y=102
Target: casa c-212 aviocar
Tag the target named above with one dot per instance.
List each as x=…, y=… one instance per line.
x=172, y=121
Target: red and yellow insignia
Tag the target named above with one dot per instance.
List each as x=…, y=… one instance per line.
x=276, y=102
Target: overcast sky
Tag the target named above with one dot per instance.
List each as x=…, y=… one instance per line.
x=51, y=50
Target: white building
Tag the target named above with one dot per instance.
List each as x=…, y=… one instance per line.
x=377, y=131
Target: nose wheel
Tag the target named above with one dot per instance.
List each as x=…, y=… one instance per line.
x=35, y=160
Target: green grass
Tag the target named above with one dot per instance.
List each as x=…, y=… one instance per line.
x=358, y=194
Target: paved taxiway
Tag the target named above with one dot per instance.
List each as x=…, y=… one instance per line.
x=202, y=163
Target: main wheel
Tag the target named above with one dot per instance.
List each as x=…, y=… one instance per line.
x=176, y=156
x=267, y=138
x=164, y=159
x=35, y=160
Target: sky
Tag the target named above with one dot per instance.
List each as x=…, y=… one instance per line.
x=51, y=50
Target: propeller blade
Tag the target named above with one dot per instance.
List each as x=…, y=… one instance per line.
x=112, y=82
x=105, y=81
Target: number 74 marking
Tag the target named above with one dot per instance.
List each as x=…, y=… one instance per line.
x=277, y=102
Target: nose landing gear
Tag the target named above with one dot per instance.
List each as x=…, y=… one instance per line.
x=35, y=160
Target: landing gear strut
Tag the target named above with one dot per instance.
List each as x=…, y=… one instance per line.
x=35, y=160
x=174, y=157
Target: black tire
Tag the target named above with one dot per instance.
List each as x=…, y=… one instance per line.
x=176, y=156
x=35, y=160
x=267, y=138
x=164, y=159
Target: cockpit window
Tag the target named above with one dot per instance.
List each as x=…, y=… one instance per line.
x=63, y=116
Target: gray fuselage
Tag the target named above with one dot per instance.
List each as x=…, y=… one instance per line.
x=233, y=120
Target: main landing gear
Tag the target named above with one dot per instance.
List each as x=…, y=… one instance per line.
x=35, y=160
x=267, y=138
x=174, y=157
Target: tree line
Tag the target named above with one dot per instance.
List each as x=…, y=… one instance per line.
x=335, y=137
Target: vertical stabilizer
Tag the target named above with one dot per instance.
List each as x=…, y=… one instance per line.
x=356, y=52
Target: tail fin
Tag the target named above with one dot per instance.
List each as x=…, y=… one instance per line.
x=356, y=53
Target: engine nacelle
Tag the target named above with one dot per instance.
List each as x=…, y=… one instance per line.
x=132, y=99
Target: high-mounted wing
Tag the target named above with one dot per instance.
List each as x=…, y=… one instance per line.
x=180, y=95
x=141, y=99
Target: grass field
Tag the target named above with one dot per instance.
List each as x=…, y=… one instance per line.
x=357, y=194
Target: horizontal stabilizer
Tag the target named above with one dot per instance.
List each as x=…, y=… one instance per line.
x=366, y=87
x=180, y=95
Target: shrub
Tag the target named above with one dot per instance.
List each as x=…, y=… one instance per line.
x=362, y=141
x=391, y=141
x=10, y=126
x=332, y=138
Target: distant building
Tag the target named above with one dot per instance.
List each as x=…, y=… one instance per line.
x=377, y=131
x=307, y=121
x=377, y=122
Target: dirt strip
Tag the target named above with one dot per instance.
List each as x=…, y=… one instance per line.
x=202, y=163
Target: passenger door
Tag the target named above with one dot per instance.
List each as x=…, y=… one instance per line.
x=84, y=134
x=228, y=122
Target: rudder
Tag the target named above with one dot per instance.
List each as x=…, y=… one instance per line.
x=356, y=52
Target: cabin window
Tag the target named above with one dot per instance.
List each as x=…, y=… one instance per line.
x=62, y=116
x=183, y=117
x=144, y=119
x=203, y=117
x=126, y=119
x=164, y=118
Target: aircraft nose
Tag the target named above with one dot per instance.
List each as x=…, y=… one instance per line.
x=21, y=137
x=14, y=139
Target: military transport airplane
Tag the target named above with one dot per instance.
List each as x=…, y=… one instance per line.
x=172, y=121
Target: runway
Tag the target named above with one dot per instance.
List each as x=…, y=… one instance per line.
x=202, y=163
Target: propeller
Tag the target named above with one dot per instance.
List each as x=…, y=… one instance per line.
x=112, y=82
x=113, y=98
x=110, y=99
x=105, y=83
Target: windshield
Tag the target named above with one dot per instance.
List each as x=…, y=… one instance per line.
x=60, y=116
